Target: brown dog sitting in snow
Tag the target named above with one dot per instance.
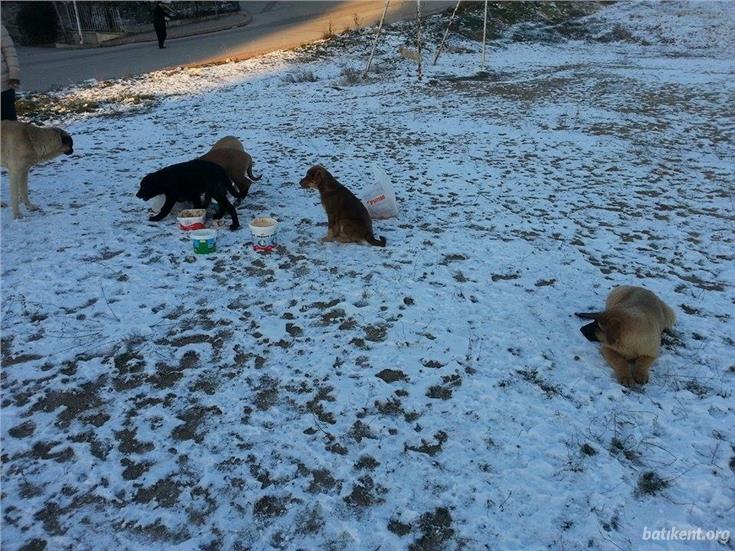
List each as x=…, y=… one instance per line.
x=347, y=217
x=630, y=331
x=229, y=153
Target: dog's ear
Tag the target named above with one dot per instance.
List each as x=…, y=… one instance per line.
x=611, y=326
x=590, y=331
x=67, y=141
x=320, y=173
x=588, y=315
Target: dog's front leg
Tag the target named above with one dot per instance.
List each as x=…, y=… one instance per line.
x=331, y=227
x=641, y=367
x=219, y=211
x=620, y=365
x=14, y=179
x=224, y=204
x=207, y=200
x=165, y=209
x=329, y=236
x=23, y=189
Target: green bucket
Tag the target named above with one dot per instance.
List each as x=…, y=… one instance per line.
x=204, y=241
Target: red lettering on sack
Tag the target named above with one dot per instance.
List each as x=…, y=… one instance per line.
x=378, y=199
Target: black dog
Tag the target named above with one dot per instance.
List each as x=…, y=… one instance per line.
x=188, y=182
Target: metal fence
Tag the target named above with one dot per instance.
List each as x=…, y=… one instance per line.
x=185, y=10
x=92, y=17
x=127, y=17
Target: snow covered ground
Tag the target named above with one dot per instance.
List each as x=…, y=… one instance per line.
x=435, y=394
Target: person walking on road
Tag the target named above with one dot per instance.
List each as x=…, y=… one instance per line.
x=10, y=76
x=161, y=13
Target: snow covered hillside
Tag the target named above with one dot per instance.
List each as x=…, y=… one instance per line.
x=435, y=394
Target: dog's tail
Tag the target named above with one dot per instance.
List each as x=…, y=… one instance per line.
x=588, y=315
x=250, y=174
x=376, y=242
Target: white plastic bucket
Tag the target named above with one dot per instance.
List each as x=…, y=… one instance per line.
x=192, y=219
x=264, y=231
x=204, y=241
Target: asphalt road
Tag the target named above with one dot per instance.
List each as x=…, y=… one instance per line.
x=275, y=26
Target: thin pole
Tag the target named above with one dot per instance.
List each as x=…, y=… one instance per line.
x=418, y=33
x=484, y=35
x=375, y=42
x=446, y=32
x=61, y=19
x=79, y=26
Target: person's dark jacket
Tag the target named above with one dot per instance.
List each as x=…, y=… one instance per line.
x=160, y=13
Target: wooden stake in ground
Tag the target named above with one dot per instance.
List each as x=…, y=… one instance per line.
x=446, y=32
x=418, y=33
x=484, y=35
x=377, y=35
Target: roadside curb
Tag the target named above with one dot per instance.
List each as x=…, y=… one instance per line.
x=144, y=38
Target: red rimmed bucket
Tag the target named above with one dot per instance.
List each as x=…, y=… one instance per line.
x=264, y=233
x=192, y=219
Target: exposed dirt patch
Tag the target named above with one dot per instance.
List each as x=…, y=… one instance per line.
x=23, y=430
x=436, y=531
x=365, y=493
x=8, y=361
x=376, y=333
x=429, y=448
x=75, y=402
x=271, y=506
x=399, y=528
x=193, y=419
x=165, y=493
x=392, y=375
x=130, y=444
x=323, y=482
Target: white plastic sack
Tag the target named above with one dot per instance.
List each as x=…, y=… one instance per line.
x=156, y=204
x=379, y=198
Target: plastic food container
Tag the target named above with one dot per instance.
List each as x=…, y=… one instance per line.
x=192, y=219
x=204, y=241
x=264, y=233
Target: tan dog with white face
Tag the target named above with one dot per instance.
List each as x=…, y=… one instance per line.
x=25, y=145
